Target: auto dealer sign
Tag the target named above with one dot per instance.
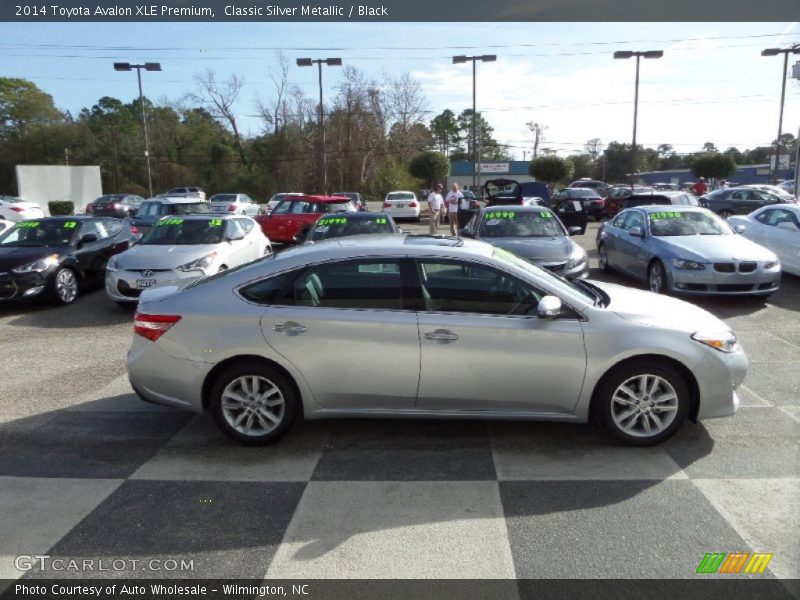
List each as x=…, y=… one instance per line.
x=493, y=167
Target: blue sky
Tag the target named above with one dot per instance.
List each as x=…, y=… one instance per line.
x=711, y=85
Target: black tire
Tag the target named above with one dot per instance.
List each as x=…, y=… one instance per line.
x=725, y=213
x=605, y=407
x=656, y=270
x=57, y=293
x=290, y=405
x=603, y=265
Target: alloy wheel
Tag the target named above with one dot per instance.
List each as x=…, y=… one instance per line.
x=656, y=278
x=644, y=406
x=253, y=405
x=66, y=286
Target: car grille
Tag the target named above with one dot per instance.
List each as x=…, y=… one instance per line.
x=734, y=287
x=126, y=290
x=725, y=267
x=747, y=267
x=148, y=271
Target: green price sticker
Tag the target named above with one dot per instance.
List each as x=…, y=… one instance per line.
x=506, y=214
x=665, y=215
x=70, y=225
x=381, y=221
x=546, y=214
x=215, y=223
x=27, y=225
x=170, y=221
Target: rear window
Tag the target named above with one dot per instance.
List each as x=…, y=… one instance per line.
x=186, y=209
x=400, y=196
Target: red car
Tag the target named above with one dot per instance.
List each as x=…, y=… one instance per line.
x=298, y=212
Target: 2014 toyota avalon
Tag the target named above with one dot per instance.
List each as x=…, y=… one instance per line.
x=284, y=337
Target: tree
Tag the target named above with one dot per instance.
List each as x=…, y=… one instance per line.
x=537, y=135
x=594, y=148
x=23, y=104
x=664, y=150
x=709, y=147
x=551, y=169
x=713, y=165
x=483, y=132
x=390, y=175
x=218, y=97
x=582, y=165
x=429, y=166
x=445, y=132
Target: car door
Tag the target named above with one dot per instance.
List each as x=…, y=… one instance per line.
x=782, y=236
x=612, y=231
x=344, y=326
x=483, y=347
x=92, y=256
x=629, y=248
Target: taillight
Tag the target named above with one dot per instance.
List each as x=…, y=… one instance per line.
x=134, y=230
x=89, y=208
x=412, y=205
x=387, y=205
x=153, y=327
x=232, y=208
x=17, y=209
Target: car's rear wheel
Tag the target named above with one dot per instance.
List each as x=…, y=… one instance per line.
x=253, y=403
x=602, y=259
x=643, y=403
x=657, y=278
x=65, y=286
x=725, y=213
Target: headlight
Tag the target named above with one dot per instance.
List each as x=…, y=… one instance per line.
x=39, y=265
x=199, y=264
x=576, y=261
x=771, y=264
x=724, y=341
x=112, y=265
x=680, y=263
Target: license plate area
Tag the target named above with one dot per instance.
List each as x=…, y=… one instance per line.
x=143, y=284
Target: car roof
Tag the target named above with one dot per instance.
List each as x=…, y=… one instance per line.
x=204, y=216
x=175, y=200
x=315, y=198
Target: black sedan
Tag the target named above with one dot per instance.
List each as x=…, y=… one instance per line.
x=115, y=205
x=345, y=224
x=593, y=203
x=54, y=256
x=739, y=201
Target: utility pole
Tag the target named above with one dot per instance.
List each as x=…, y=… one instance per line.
x=775, y=52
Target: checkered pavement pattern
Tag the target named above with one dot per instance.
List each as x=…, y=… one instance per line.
x=113, y=477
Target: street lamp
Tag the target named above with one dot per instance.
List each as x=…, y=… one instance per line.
x=625, y=54
x=123, y=66
x=775, y=52
x=323, y=164
x=474, y=59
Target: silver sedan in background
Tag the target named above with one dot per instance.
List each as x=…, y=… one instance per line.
x=285, y=337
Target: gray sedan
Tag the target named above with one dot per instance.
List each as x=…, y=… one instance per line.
x=534, y=233
x=686, y=250
x=284, y=338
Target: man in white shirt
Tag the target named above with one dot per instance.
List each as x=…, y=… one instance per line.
x=452, y=201
x=435, y=206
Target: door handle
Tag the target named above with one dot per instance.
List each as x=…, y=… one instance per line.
x=289, y=327
x=441, y=335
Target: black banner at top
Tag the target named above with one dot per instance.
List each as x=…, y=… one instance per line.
x=275, y=11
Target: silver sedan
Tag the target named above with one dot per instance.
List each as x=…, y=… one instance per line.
x=285, y=337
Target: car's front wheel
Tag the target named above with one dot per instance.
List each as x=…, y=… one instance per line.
x=65, y=286
x=643, y=403
x=725, y=213
x=253, y=403
x=602, y=259
x=657, y=278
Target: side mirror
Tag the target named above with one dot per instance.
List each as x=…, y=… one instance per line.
x=236, y=235
x=549, y=307
x=574, y=230
x=636, y=232
x=739, y=228
x=87, y=239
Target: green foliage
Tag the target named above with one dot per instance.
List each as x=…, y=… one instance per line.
x=391, y=175
x=551, y=169
x=429, y=166
x=713, y=165
x=61, y=207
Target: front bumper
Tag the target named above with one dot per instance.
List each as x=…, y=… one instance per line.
x=122, y=286
x=719, y=375
x=19, y=286
x=710, y=282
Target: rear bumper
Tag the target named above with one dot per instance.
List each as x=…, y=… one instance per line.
x=402, y=213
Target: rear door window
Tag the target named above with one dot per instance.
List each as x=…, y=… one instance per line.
x=355, y=284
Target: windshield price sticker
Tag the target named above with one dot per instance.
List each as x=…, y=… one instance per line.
x=27, y=224
x=381, y=221
x=171, y=221
x=333, y=221
x=70, y=225
x=546, y=214
x=665, y=215
x=505, y=214
x=215, y=223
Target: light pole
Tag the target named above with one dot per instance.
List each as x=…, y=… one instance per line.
x=624, y=54
x=323, y=161
x=120, y=66
x=775, y=52
x=474, y=59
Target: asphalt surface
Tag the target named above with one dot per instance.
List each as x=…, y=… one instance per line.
x=88, y=470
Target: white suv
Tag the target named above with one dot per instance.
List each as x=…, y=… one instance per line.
x=188, y=192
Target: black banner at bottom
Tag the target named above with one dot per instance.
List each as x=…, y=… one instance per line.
x=399, y=589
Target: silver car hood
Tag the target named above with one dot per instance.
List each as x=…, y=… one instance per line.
x=154, y=256
x=544, y=249
x=716, y=248
x=658, y=310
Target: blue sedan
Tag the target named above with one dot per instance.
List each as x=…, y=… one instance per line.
x=687, y=250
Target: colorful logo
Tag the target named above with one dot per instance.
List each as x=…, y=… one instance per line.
x=732, y=563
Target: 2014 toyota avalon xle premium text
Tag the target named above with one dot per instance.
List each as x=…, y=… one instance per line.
x=285, y=337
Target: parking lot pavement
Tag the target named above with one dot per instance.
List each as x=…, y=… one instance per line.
x=89, y=471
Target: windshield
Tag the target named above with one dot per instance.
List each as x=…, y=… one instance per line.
x=514, y=223
x=555, y=280
x=509, y=188
x=40, y=233
x=333, y=207
x=341, y=226
x=184, y=232
x=400, y=196
x=185, y=209
x=109, y=199
x=582, y=193
x=223, y=198
x=675, y=223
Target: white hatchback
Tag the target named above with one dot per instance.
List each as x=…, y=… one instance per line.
x=402, y=205
x=16, y=209
x=237, y=204
x=184, y=247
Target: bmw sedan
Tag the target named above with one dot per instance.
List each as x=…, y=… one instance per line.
x=686, y=250
x=284, y=338
x=776, y=228
x=186, y=247
x=740, y=200
x=533, y=233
